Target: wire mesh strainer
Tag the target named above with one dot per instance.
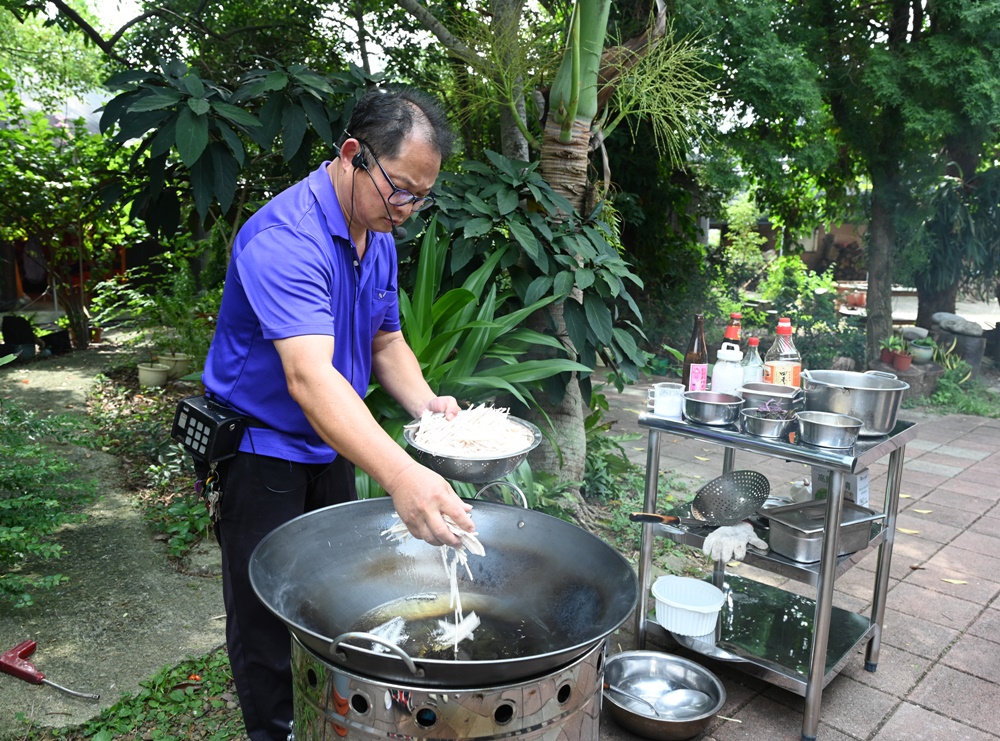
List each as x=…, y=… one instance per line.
x=730, y=498
x=473, y=470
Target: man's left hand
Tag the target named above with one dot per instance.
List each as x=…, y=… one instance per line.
x=446, y=405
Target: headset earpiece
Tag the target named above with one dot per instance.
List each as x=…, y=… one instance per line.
x=359, y=161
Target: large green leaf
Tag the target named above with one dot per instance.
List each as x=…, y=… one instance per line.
x=598, y=317
x=199, y=106
x=135, y=125
x=539, y=287
x=294, y=125
x=203, y=184
x=318, y=118
x=312, y=82
x=270, y=120
x=232, y=140
x=477, y=227
x=275, y=81
x=156, y=101
x=506, y=201
x=235, y=114
x=192, y=135
x=225, y=171
x=193, y=85
x=163, y=142
x=526, y=238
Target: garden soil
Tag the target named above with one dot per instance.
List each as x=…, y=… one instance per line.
x=125, y=612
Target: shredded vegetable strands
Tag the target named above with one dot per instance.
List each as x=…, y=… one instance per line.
x=482, y=431
x=392, y=630
x=447, y=633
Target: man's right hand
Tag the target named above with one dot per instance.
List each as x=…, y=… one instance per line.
x=422, y=498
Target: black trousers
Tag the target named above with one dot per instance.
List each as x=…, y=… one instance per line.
x=258, y=494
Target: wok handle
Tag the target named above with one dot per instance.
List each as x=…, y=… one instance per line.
x=881, y=374
x=654, y=517
x=338, y=653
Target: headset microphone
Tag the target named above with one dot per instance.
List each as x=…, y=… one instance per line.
x=358, y=161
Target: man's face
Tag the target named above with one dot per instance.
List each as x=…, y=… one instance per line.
x=414, y=170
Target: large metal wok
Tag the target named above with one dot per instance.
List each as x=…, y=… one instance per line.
x=322, y=572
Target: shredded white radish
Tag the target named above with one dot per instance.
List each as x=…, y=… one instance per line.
x=393, y=631
x=452, y=557
x=486, y=432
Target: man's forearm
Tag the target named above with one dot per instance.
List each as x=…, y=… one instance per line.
x=398, y=371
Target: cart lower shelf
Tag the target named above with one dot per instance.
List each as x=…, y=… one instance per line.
x=767, y=632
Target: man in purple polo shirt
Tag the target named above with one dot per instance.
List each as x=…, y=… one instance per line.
x=310, y=310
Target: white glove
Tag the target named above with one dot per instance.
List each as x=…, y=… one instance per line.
x=727, y=543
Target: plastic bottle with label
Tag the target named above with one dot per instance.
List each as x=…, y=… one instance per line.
x=783, y=364
x=727, y=375
x=753, y=365
x=695, y=373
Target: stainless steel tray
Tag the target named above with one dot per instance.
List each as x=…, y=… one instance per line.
x=797, y=530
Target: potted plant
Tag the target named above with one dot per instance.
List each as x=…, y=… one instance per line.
x=891, y=346
x=922, y=350
x=153, y=373
x=902, y=359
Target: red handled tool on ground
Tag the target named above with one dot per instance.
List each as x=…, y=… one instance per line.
x=15, y=662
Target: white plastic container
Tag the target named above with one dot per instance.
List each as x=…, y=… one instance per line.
x=727, y=375
x=686, y=606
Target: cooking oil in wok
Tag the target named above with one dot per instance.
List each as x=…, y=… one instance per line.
x=497, y=637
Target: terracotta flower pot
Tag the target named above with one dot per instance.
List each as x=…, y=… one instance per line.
x=902, y=361
x=886, y=356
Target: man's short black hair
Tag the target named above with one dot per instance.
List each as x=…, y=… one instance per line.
x=383, y=118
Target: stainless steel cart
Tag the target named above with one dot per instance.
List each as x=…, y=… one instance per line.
x=791, y=641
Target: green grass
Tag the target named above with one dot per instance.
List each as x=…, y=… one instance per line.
x=194, y=700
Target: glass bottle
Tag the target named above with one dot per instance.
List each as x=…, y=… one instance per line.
x=783, y=364
x=695, y=374
x=733, y=328
x=753, y=366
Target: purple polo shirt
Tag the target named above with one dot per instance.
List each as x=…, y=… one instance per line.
x=292, y=273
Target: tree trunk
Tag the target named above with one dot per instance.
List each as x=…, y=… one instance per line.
x=929, y=302
x=564, y=167
x=880, y=248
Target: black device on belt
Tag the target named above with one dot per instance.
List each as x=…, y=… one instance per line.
x=208, y=430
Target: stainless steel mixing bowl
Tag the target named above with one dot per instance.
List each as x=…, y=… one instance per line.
x=828, y=430
x=712, y=407
x=650, y=675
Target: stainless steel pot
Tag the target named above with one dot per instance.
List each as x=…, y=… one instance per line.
x=873, y=397
x=561, y=588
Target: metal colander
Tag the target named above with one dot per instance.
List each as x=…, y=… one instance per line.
x=474, y=470
x=730, y=498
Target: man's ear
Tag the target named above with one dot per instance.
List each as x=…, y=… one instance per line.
x=349, y=150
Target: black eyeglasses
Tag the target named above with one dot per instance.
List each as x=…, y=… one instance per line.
x=400, y=197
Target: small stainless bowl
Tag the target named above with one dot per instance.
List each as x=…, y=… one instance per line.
x=757, y=394
x=712, y=407
x=828, y=430
x=758, y=426
x=650, y=674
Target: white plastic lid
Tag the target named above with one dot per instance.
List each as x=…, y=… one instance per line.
x=730, y=351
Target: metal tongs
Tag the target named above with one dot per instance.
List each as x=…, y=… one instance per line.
x=15, y=662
